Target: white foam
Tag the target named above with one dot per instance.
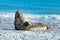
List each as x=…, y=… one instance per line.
x=42, y=16
x=38, y=16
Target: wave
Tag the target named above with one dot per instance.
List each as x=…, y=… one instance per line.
x=42, y=16
x=6, y=15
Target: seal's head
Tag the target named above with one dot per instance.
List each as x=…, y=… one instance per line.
x=20, y=14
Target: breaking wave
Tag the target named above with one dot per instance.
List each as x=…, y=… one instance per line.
x=37, y=17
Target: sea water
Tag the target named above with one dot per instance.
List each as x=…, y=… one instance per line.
x=31, y=6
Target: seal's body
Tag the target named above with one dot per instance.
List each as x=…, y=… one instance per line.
x=19, y=21
x=21, y=24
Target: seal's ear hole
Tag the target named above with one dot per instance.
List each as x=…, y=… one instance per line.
x=26, y=24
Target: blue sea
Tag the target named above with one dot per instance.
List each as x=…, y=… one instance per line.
x=31, y=6
x=38, y=10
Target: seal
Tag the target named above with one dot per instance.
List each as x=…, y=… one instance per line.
x=20, y=23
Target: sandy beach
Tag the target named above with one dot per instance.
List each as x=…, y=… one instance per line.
x=7, y=31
